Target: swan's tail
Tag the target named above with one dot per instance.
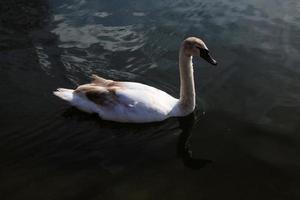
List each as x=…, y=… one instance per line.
x=65, y=94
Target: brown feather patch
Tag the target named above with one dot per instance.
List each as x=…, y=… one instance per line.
x=104, y=96
x=100, y=98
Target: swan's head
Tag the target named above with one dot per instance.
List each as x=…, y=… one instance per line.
x=193, y=46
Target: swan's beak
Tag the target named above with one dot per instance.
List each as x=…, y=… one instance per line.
x=206, y=56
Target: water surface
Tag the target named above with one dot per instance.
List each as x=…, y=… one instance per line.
x=243, y=135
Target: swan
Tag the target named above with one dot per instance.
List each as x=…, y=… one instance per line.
x=132, y=102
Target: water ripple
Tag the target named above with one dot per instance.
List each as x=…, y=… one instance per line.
x=117, y=38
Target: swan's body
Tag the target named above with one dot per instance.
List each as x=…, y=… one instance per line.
x=136, y=102
x=128, y=102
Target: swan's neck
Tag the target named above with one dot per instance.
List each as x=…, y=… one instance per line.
x=187, y=86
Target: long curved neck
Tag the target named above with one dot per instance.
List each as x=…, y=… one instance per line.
x=187, y=86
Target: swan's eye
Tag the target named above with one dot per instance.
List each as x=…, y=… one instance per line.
x=203, y=51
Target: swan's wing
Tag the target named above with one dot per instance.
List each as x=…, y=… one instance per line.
x=128, y=94
x=107, y=96
x=101, y=96
x=127, y=102
x=144, y=96
x=105, y=92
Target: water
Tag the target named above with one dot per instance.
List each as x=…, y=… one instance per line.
x=244, y=134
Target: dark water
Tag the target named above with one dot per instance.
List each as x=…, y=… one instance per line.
x=244, y=134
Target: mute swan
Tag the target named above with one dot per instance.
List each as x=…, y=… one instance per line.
x=138, y=103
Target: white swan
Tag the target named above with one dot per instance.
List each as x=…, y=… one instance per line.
x=138, y=103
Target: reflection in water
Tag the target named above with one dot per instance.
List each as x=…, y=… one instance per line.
x=149, y=131
x=183, y=147
x=122, y=38
x=43, y=59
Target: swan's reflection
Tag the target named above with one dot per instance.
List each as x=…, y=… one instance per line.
x=149, y=138
x=183, y=146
